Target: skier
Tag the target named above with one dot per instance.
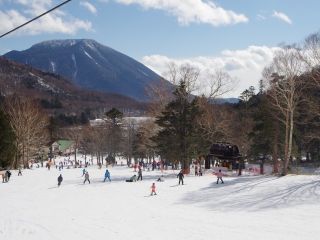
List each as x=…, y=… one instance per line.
x=219, y=176
x=196, y=170
x=86, y=177
x=107, y=175
x=4, y=177
x=83, y=172
x=132, y=179
x=19, y=173
x=60, y=179
x=8, y=173
x=160, y=179
x=153, y=189
x=139, y=174
x=180, y=176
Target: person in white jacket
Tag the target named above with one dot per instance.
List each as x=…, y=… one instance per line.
x=219, y=176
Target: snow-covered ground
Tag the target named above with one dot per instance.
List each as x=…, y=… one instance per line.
x=248, y=207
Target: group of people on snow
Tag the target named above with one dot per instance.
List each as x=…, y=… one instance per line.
x=134, y=178
x=5, y=176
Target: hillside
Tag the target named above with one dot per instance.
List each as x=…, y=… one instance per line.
x=90, y=65
x=55, y=93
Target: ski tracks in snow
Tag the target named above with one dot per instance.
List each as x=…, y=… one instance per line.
x=21, y=229
x=257, y=193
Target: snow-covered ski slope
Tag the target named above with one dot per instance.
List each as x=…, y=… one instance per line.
x=267, y=207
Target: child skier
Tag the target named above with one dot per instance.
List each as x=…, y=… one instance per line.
x=153, y=189
x=107, y=175
x=219, y=176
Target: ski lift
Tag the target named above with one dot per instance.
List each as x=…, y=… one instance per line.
x=227, y=154
x=224, y=150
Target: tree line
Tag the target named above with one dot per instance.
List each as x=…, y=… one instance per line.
x=279, y=122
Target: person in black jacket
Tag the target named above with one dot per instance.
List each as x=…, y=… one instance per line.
x=8, y=173
x=60, y=180
x=180, y=176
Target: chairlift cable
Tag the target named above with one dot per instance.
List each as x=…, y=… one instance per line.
x=35, y=18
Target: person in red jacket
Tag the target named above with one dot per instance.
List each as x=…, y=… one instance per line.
x=153, y=189
x=219, y=176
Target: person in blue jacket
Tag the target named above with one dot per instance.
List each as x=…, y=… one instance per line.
x=107, y=175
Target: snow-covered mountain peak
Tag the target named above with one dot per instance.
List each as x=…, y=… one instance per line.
x=66, y=43
x=91, y=65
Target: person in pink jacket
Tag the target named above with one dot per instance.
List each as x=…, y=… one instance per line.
x=219, y=176
x=153, y=189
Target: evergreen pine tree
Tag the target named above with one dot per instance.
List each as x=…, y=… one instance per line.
x=178, y=122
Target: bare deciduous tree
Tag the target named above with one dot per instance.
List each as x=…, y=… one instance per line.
x=311, y=56
x=74, y=134
x=30, y=127
x=285, y=91
x=161, y=94
x=216, y=84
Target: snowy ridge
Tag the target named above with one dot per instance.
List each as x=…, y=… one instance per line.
x=53, y=66
x=57, y=43
x=89, y=56
x=43, y=84
x=73, y=57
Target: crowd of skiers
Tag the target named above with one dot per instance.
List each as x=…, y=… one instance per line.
x=198, y=172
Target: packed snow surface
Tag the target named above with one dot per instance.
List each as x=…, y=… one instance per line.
x=247, y=207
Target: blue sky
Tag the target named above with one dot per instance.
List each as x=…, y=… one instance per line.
x=238, y=36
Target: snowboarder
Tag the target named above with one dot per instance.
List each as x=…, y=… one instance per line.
x=60, y=179
x=180, y=176
x=107, y=175
x=153, y=189
x=132, y=179
x=86, y=177
x=219, y=176
x=139, y=174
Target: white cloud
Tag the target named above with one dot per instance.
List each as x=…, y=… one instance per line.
x=243, y=65
x=55, y=22
x=90, y=7
x=192, y=11
x=282, y=17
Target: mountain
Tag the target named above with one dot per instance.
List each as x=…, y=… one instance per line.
x=225, y=100
x=56, y=94
x=90, y=65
